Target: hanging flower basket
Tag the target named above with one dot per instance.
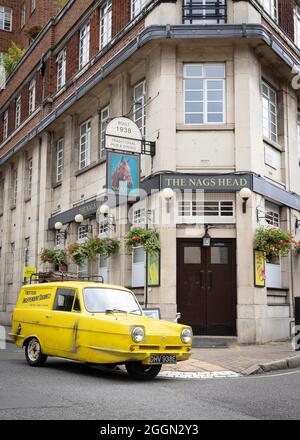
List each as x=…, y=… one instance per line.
x=296, y=246
x=109, y=247
x=78, y=253
x=101, y=246
x=54, y=256
x=148, y=238
x=273, y=241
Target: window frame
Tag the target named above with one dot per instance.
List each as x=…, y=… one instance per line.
x=87, y=144
x=23, y=15
x=29, y=171
x=84, y=46
x=75, y=296
x=32, y=5
x=61, y=68
x=32, y=96
x=5, y=125
x=271, y=8
x=205, y=92
x=18, y=111
x=59, y=156
x=4, y=11
x=105, y=23
x=269, y=119
x=139, y=103
x=14, y=187
x=102, y=127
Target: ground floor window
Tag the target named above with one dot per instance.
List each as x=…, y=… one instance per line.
x=138, y=267
x=103, y=272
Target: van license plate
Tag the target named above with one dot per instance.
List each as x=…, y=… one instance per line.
x=163, y=359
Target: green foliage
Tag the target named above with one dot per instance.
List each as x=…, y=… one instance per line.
x=54, y=256
x=272, y=241
x=12, y=57
x=148, y=238
x=61, y=3
x=91, y=248
x=78, y=253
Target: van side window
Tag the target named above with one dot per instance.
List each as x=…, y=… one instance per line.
x=64, y=300
x=76, y=306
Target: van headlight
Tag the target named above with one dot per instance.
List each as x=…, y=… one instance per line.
x=138, y=334
x=186, y=335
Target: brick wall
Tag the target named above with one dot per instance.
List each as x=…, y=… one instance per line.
x=286, y=17
x=7, y=37
x=121, y=14
x=72, y=56
x=95, y=32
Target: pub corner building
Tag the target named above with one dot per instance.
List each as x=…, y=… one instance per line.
x=213, y=88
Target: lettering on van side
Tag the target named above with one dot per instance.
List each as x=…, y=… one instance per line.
x=37, y=298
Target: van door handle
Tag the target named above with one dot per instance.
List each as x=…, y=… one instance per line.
x=48, y=316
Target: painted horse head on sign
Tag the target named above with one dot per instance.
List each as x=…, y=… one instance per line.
x=122, y=176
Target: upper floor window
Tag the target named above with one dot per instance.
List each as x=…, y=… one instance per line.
x=139, y=113
x=272, y=214
x=33, y=5
x=105, y=23
x=297, y=25
x=104, y=119
x=61, y=69
x=5, y=18
x=137, y=6
x=23, y=15
x=271, y=7
x=270, y=112
x=1, y=195
x=14, y=187
x=59, y=160
x=204, y=93
x=204, y=11
x=85, y=144
x=29, y=177
x=5, y=125
x=31, y=96
x=84, y=46
x=18, y=111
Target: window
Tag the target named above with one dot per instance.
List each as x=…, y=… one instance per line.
x=31, y=96
x=82, y=232
x=2, y=72
x=298, y=134
x=85, y=144
x=18, y=111
x=5, y=125
x=5, y=18
x=83, y=270
x=29, y=177
x=14, y=186
x=26, y=251
x=138, y=266
x=59, y=160
x=61, y=69
x=204, y=93
x=137, y=6
x=297, y=25
x=270, y=111
x=204, y=11
x=64, y=300
x=23, y=15
x=270, y=7
x=84, y=46
x=103, y=225
x=1, y=195
x=193, y=207
x=104, y=120
x=33, y=5
x=272, y=214
x=105, y=23
x=139, y=114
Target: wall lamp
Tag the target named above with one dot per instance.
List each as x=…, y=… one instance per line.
x=58, y=227
x=206, y=239
x=245, y=194
x=168, y=195
x=110, y=219
x=87, y=228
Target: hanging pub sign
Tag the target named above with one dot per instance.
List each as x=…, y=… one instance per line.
x=122, y=134
x=122, y=173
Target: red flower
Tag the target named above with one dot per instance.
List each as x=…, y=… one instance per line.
x=136, y=238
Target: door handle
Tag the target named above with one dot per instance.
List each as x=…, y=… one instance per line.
x=201, y=279
x=48, y=316
x=210, y=279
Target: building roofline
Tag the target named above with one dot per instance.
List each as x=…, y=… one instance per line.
x=151, y=33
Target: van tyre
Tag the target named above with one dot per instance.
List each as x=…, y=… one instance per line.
x=34, y=354
x=139, y=371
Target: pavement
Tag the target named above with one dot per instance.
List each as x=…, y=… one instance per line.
x=234, y=360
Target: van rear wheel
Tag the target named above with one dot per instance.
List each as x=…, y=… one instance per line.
x=139, y=371
x=34, y=354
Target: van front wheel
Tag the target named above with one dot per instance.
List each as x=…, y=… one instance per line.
x=139, y=371
x=33, y=353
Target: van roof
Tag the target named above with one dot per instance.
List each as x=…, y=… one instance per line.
x=74, y=284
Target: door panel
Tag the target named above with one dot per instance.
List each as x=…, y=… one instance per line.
x=206, y=287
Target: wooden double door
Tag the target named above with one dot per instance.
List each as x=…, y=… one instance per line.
x=206, y=286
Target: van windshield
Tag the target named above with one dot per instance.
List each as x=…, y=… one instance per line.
x=101, y=300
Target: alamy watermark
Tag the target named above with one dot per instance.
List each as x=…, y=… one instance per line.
x=2, y=338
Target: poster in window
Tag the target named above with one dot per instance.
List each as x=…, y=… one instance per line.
x=259, y=269
x=122, y=173
x=154, y=269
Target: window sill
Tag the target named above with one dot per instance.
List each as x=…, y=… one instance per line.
x=88, y=168
x=27, y=199
x=273, y=144
x=205, y=127
x=12, y=208
x=56, y=185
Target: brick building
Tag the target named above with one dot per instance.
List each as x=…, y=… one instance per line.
x=215, y=86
